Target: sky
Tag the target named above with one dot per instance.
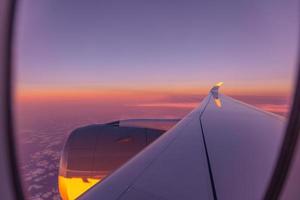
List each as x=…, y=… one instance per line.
x=154, y=50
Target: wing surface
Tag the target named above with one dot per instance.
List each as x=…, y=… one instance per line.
x=243, y=143
x=172, y=167
x=224, y=149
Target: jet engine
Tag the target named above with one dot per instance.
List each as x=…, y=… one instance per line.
x=93, y=152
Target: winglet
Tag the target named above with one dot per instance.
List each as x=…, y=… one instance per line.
x=215, y=93
x=215, y=89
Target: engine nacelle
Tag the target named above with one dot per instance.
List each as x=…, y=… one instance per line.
x=93, y=152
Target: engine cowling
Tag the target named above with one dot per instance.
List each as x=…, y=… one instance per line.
x=93, y=152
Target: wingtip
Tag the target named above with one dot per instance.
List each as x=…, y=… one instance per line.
x=215, y=93
x=219, y=84
x=215, y=89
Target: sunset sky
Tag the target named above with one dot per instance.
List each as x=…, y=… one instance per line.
x=156, y=53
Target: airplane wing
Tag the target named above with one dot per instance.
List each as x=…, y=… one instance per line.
x=224, y=149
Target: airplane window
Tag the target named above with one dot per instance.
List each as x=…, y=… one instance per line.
x=98, y=81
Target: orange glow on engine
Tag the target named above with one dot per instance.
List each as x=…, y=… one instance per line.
x=72, y=188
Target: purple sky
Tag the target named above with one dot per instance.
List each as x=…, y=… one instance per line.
x=144, y=44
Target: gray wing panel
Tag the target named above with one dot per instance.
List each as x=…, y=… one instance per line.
x=243, y=143
x=173, y=167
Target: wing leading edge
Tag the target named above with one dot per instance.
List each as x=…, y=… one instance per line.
x=224, y=151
